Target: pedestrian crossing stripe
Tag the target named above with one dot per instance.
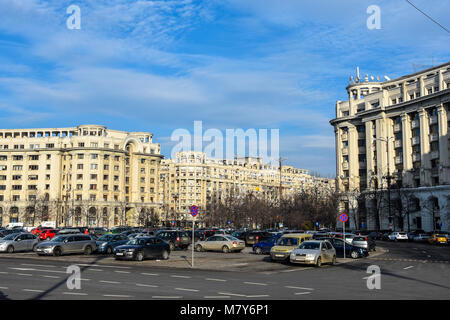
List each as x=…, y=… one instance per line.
x=410, y=260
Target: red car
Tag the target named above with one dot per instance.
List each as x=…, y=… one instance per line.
x=38, y=230
x=48, y=234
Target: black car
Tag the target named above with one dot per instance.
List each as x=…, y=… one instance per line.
x=240, y=234
x=143, y=247
x=254, y=237
x=176, y=239
x=350, y=250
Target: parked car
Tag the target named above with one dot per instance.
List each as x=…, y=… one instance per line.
x=107, y=242
x=265, y=245
x=314, y=252
x=413, y=234
x=38, y=230
x=64, y=244
x=143, y=247
x=351, y=251
x=366, y=242
x=319, y=234
x=422, y=237
x=69, y=230
x=288, y=242
x=18, y=242
x=438, y=238
x=48, y=234
x=398, y=236
x=224, y=243
x=119, y=229
x=255, y=236
x=240, y=234
x=98, y=231
x=176, y=239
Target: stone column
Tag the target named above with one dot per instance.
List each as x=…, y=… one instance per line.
x=369, y=150
x=353, y=164
x=339, y=170
x=444, y=170
x=407, y=149
x=425, y=176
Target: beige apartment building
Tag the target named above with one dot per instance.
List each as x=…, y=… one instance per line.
x=392, y=142
x=85, y=175
x=193, y=179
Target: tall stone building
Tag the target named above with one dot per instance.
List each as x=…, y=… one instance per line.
x=392, y=151
x=85, y=175
x=193, y=179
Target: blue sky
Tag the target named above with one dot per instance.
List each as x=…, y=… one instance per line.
x=159, y=65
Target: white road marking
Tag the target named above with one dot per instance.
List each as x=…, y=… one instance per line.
x=150, y=274
x=408, y=267
x=24, y=274
x=53, y=277
x=117, y=296
x=146, y=285
x=258, y=296
x=75, y=293
x=216, y=297
x=91, y=269
x=100, y=265
x=301, y=288
x=33, y=290
x=37, y=265
x=82, y=279
x=239, y=264
x=256, y=283
x=4, y=288
x=183, y=289
x=298, y=293
x=297, y=269
x=122, y=271
x=232, y=294
x=113, y=282
x=212, y=279
x=2, y=272
x=185, y=277
x=166, y=297
x=31, y=269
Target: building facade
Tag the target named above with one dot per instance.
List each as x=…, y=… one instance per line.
x=193, y=179
x=392, y=151
x=85, y=175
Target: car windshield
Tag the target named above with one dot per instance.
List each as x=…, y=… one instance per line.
x=232, y=238
x=310, y=245
x=287, y=242
x=106, y=237
x=137, y=241
x=10, y=236
x=58, y=239
x=359, y=239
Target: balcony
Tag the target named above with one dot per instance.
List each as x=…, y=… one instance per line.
x=434, y=137
x=434, y=155
x=398, y=160
x=415, y=140
x=397, y=127
x=415, y=124
x=344, y=137
x=397, y=143
x=345, y=151
x=416, y=157
x=433, y=120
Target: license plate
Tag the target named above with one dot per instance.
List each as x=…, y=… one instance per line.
x=119, y=254
x=279, y=255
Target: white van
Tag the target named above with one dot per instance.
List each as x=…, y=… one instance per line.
x=14, y=224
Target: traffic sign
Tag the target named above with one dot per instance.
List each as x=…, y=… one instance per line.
x=343, y=217
x=194, y=211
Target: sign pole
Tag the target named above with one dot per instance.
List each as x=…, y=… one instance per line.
x=193, y=225
x=343, y=236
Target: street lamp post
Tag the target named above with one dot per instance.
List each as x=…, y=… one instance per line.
x=388, y=177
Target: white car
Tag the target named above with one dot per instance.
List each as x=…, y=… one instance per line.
x=398, y=236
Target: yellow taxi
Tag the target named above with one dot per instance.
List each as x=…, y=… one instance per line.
x=286, y=244
x=438, y=238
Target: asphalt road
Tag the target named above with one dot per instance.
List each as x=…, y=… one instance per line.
x=408, y=271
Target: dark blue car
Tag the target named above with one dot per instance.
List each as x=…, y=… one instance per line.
x=350, y=250
x=107, y=242
x=265, y=245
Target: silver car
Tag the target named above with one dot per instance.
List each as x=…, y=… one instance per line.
x=18, y=242
x=65, y=244
x=314, y=252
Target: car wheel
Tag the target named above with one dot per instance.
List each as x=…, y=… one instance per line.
x=333, y=262
x=88, y=250
x=109, y=250
x=10, y=249
x=165, y=255
x=34, y=247
x=198, y=248
x=258, y=250
x=139, y=256
x=225, y=249
x=319, y=262
x=57, y=252
x=354, y=254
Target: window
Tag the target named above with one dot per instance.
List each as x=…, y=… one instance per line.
x=33, y=157
x=17, y=158
x=80, y=166
x=94, y=156
x=93, y=177
x=17, y=177
x=80, y=156
x=93, y=187
x=94, y=166
x=33, y=167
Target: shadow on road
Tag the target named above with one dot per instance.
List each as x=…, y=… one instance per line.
x=64, y=281
x=3, y=296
